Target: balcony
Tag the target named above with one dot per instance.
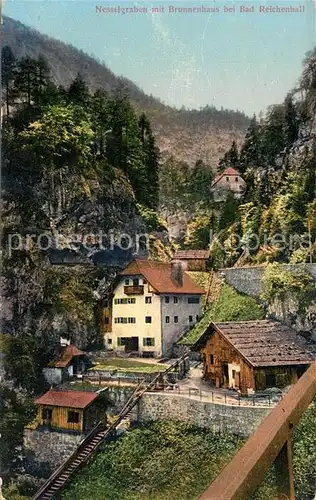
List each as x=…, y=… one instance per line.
x=134, y=290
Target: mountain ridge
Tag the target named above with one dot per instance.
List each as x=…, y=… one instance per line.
x=187, y=134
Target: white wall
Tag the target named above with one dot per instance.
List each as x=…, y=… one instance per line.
x=138, y=311
x=171, y=332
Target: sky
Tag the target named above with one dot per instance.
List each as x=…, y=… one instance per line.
x=238, y=60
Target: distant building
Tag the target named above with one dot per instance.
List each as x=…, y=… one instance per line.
x=228, y=181
x=192, y=260
x=149, y=307
x=71, y=362
x=252, y=355
x=71, y=410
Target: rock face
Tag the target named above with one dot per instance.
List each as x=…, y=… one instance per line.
x=288, y=311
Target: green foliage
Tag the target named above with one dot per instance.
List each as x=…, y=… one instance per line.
x=16, y=410
x=151, y=219
x=146, y=461
x=198, y=232
x=62, y=136
x=278, y=282
x=230, y=159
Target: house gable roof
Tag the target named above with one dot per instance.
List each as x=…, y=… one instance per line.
x=158, y=275
x=67, y=399
x=66, y=356
x=262, y=343
x=227, y=172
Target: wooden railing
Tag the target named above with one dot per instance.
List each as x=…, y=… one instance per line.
x=270, y=443
x=134, y=289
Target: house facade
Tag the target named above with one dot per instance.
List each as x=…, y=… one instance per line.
x=228, y=181
x=192, y=260
x=149, y=307
x=78, y=411
x=252, y=355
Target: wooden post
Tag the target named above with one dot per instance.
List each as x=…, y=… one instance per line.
x=284, y=472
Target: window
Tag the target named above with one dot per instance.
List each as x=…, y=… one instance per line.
x=167, y=300
x=175, y=300
x=236, y=179
x=124, y=320
x=147, y=300
x=233, y=373
x=121, y=341
x=147, y=319
x=167, y=319
x=197, y=317
x=193, y=300
x=212, y=359
x=148, y=342
x=176, y=319
x=190, y=319
x=126, y=282
x=47, y=413
x=135, y=281
x=227, y=179
x=73, y=417
x=144, y=282
x=109, y=341
x=129, y=300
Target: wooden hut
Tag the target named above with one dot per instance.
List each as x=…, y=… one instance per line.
x=71, y=410
x=252, y=355
x=192, y=260
x=69, y=363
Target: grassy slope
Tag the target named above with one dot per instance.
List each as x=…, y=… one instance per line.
x=175, y=461
x=129, y=365
x=230, y=306
x=162, y=461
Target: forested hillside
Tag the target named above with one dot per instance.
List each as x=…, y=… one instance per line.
x=276, y=219
x=189, y=135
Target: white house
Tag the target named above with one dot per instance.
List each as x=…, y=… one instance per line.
x=228, y=181
x=149, y=307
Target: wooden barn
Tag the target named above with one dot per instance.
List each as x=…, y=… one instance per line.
x=252, y=355
x=192, y=260
x=71, y=362
x=71, y=410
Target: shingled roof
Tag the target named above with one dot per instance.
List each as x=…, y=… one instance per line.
x=68, y=399
x=67, y=354
x=191, y=254
x=263, y=343
x=158, y=275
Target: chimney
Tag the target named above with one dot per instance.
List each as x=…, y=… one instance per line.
x=177, y=272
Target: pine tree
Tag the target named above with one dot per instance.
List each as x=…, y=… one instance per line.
x=78, y=92
x=291, y=121
x=250, y=154
x=8, y=69
x=151, y=161
x=230, y=159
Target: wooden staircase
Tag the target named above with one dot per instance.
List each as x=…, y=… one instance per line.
x=56, y=482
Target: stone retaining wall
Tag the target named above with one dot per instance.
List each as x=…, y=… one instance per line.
x=46, y=450
x=248, y=279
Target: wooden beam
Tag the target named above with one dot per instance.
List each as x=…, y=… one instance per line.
x=242, y=476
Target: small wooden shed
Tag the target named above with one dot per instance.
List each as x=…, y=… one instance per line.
x=71, y=410
x=70, y=363
x=253, y=355
x=192, y=260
